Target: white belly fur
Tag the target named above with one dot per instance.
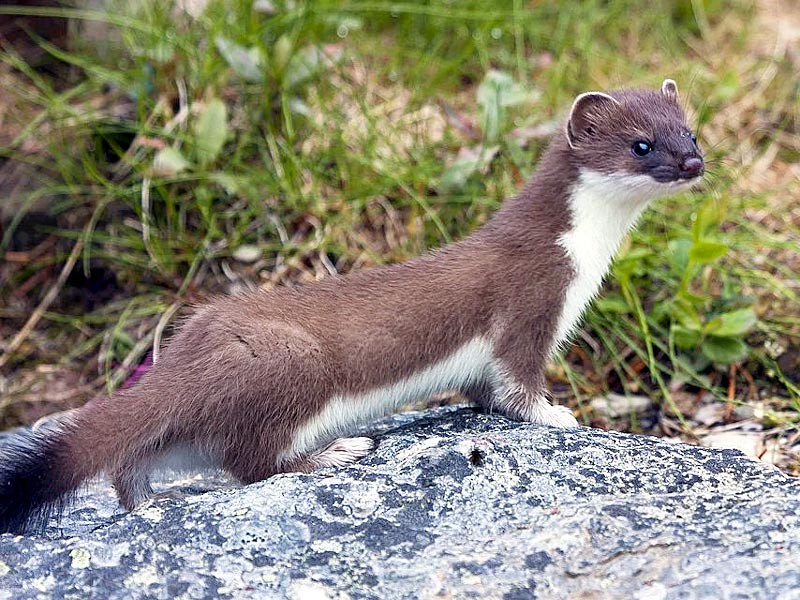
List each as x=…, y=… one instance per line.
x=469, y=364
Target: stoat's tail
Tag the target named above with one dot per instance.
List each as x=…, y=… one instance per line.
x=39, y=473
x=41, y=470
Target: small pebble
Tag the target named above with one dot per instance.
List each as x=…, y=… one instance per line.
x=247, y=253
x=709, y=414
x=617, y=405
x=747, y=443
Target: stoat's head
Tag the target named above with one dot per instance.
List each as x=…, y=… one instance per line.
x=638, y=135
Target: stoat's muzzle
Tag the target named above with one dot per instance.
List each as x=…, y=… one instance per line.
x=691, y=167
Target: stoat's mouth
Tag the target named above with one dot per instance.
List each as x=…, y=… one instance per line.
x=685, y=176
x=683, y=183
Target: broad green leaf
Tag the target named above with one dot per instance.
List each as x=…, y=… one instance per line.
x=685, y=313
x=248, y=63
x=611, y=305
x=659, y=312
x=281, y=53
x=497, y=91
x=724, y=350
x=499, y=86
x=210, y=131
x=632, y=262
x=684, y=338
x=679, y=254
x=457, y=174
x=707, y=252
x=307, y=63
x=692, y=298
x=468, y=162
x=168, y=162
x=639, y=253
x=732, y=324
x=624, y=268
x=706, y=220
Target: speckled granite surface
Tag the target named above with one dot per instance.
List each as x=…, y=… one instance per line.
x=453, y=504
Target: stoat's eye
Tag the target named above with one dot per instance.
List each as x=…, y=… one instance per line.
x=694, y=138
x=641, y=148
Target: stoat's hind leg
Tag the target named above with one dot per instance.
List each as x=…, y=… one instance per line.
x=132, y=484
x=480, y=393
x=339, y=453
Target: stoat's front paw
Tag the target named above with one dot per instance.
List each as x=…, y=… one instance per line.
x=544, y=413
x=535, y=408
x=558, y=416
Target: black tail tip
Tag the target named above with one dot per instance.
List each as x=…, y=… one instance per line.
x=34, y=483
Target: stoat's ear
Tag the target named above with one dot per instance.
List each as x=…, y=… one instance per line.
x=670, y=89
x=587, y=112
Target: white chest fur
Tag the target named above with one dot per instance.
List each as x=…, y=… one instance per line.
x=604, y=208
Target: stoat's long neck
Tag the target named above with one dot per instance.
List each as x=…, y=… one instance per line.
x=603, y=207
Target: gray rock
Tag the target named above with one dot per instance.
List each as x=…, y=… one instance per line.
x=452, y=504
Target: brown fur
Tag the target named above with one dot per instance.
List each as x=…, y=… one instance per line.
x=242, y=374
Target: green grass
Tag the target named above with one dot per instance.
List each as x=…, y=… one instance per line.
x=338, y=163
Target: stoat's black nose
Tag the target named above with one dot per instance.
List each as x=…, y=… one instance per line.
x=691, y=167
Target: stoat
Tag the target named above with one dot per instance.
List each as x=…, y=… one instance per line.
x=274, y=381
